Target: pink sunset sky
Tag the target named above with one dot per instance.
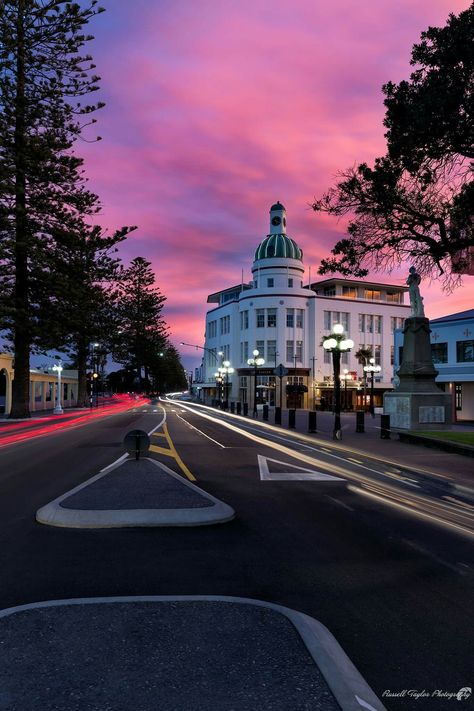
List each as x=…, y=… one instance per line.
x=218, y=108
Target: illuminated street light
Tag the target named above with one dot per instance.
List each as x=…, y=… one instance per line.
x=372, y=369
x=255, y=362
x=337, y=343
x=58, y=368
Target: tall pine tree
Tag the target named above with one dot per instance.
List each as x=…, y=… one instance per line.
x=43, y=77
x=140, y=332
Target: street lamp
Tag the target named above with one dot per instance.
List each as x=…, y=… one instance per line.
x=345, y=377
x=219, y=380
x=372, y=369
x=337, y=343
x=58, y=368
x=226, y=370
x=255, y=362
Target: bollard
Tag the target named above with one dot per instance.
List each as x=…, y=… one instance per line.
x=312, y=421
x=278, y=415
x=265, y=413
x=232, y=407
x=360, y=427
x=291, y=419
x=384, y=426
x=226, y=405
x=239, y=408
x=246, y=409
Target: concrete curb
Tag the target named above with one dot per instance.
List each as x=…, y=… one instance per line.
x=53, y=514
x=349, y=688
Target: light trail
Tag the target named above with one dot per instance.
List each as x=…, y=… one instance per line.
x=36, y=428
x=440, y=512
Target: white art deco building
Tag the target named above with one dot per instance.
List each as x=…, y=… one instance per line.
x=285, y=321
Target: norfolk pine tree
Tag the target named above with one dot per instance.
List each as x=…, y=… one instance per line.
x=43, y=77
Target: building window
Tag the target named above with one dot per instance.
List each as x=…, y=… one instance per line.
x=327, y=356
x=260, y=346
x=271, y=350
x=345, y=321
x=224, y=325
x=299, y=318
x=271, y=318
x=345, y=358
x=329, y=291
x=244, y=351
x=350, y=292
x=212, y=329
x=270, y=282
x=290, y=283
x=465, y=351
x=327, y=320
x=372, y=294
x=392, y=355
x=369, y=323
x=378, y=355
x=260, y=318
x=458, y=395
x=439, y=352
x=244, y=320
x=378, y=324
x=290, y=351
x=393, y=297
x=290, y=318
x=361, y=323
x=299, y=351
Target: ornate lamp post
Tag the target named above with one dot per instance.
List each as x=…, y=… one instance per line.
x=345, y=377
x=58, y=368
x=255, y=362
x=372, y=369
x=219, y=381
x=337, y=343
x=226, y=370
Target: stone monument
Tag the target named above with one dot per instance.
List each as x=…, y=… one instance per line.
x=417, y=403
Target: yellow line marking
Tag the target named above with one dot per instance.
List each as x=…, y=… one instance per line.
x=179, y=461
x=158, y=434
x=162, y=450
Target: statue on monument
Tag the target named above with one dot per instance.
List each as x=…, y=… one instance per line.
x=416, y=301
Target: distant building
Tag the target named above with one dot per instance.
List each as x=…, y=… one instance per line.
x=42, y=387
x=285, y=321
x=452, y=347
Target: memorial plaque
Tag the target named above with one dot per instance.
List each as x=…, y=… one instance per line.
x=431, y=414
x=399, y=410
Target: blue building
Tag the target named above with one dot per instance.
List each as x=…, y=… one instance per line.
x=452, y=346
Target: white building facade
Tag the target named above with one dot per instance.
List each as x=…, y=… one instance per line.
x=286, y=321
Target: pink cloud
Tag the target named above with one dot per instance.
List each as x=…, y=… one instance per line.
x=215, y=110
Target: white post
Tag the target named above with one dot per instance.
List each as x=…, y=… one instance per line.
x=58, y=410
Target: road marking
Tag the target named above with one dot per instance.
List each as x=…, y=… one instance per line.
x=300, y=473
x=161, y=450
x=201, y=432
x=159, y=434
x=356, y=461
x=340, y=503
x=178, y=459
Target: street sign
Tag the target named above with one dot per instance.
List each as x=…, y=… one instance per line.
x=280, y=371
x=136, y=442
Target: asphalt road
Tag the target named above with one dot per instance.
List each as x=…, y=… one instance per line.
x=394, y=586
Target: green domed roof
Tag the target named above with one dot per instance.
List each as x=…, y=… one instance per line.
x=280, y=246
x=277, y=206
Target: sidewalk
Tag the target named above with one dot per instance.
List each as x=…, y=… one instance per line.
x=454, y=467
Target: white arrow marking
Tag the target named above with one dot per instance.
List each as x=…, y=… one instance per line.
x=300, y=473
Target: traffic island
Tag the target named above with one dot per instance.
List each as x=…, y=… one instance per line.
x=173, y=653
x=133, y=493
